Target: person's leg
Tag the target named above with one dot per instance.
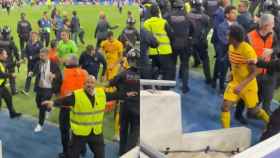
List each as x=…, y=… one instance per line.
x=5, y=94
x=123, y=129
x=28, y=78
x=203, y=54
x=229, y=99
x=76, y=144
x=251, y=100
x=239, y=112
x=195, y=56
x=223, y=73
x=134, y=130
x=47, y=39
x=96, y=145
x=184, y=67
x=64, y=126
x=268, y=91
x=21, y=45
x=12, y=81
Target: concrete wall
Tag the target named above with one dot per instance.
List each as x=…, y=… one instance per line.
x=133, y=153
x=160, y=118
x=1, y=154
x=161, y=127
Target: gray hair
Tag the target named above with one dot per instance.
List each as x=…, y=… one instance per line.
x=44, y=50
x=266, y=19
x=72, y=59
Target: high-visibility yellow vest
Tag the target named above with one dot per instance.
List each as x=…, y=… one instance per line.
x=85, y=118
x=2, y=69
x=156, y=26
x=187, y=7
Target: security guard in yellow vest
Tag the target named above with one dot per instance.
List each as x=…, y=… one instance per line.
x=4, y=92
x=162, y=57
x=86, y=117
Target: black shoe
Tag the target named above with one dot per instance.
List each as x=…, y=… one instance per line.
x=195, y=65
x=83, y=154
x=208, y=81
x=241, y=119
x=15, y=115
x=214, y=84
x=222, y=90
x=14, y=92
x=185, y=90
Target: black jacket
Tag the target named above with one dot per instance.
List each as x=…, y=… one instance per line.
x=182, y=28
x=54, y=68
x=128, y=81
x=92, y=63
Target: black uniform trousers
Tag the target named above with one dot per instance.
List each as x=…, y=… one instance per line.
x=184, y=65
x=163, y=65
x=95, y=142
x=12, y=80
x=30, y=67
x=5, y=94
x=45, y=38
x=203, y=56
x=22, y=45
x=64, y=126
x=42, y=94
x=129, y=128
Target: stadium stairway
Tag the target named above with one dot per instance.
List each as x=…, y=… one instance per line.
x=19, y=140
x=201, y=109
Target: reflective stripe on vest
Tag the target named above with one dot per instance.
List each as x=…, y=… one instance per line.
x=2, y=69
x=259, y=45
x=85, y=118
x=157, y=26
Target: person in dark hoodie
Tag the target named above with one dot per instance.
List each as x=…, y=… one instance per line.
x=91, y=60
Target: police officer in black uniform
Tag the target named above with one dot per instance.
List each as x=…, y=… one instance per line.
x=127, y=81
x=129, y=35
x=23, y=29
x=210, y=7
x=7, y=43
x=146, y=40
x=164, y=6
x=4, y=92
x=182, y=30
x=201, y=23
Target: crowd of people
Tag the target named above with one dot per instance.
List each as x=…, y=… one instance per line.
x=245, y=41
x=83, y=84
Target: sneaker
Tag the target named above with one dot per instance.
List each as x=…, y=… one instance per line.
x=38, y=128
x=25, y=93
x=15, y=115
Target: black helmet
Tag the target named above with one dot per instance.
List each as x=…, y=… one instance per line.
x=196, y=3
x=178, y=4
x=5, y=31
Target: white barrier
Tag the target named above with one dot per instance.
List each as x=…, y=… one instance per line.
x=264, y=149
x=1, y=154
x=161, y=126
x=133, y=153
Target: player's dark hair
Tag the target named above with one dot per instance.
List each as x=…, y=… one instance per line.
x=237, y=32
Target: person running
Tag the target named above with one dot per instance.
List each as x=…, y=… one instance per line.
x=243, y=83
